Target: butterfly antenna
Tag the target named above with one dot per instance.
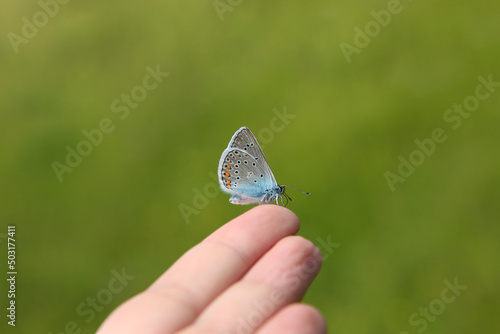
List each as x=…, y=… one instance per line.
x=302, y=191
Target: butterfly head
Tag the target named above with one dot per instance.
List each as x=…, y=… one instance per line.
x=278, y=193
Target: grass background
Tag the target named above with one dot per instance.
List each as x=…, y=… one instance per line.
x=119, y=208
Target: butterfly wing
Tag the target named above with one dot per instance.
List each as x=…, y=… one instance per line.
x=242, y=176
x=244, y=172
x=244, y=139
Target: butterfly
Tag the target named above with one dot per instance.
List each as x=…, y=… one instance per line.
x=245, y=174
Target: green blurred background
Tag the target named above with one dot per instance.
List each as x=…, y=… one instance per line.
x=349, y=123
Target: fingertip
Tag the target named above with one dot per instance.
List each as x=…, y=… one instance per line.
x=296, y=318
x=305, y=247
x=310, y=314
x=277, y=213
x=294, y=258
x=309, y=317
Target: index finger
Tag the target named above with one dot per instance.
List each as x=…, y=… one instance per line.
x=207, y=269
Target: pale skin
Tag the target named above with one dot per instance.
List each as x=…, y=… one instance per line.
x=246, y=277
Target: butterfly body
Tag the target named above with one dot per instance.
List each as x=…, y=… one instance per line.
x=245, y=174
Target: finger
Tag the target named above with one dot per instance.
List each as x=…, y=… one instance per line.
x=280, y=277
x=206, y=270
x=295, y=318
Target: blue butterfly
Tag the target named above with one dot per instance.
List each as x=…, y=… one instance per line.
x=245, y=174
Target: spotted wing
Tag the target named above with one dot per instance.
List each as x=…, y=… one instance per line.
x=242, y=176
x=244, y=139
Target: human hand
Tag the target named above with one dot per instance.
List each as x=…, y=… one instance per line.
x=246, y=277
